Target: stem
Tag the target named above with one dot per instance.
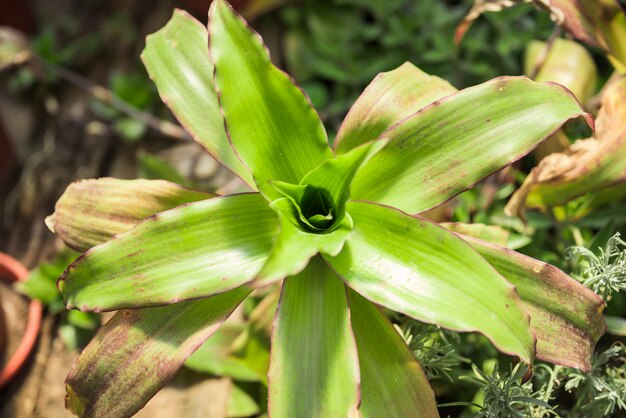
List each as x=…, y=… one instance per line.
x=105, y=95
x=578, y=237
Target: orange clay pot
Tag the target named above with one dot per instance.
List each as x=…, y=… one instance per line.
x=12, y=271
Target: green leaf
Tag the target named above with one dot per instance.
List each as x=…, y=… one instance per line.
x=302, y=236
x=272, y=126
x=336, y=175
x=214, y=356
x=177, y=61
x=193, y=251
x=314, y=364
x=567, y=62
x=153, y=167
x=615, y=325
x=390, y=97
x=293, y=247
x=137, y=352
x=91, y=212
x=565, y=316
x=241, y=403
x=393, y=385
x=448, y=146
x=412, y=266
x=41, y=283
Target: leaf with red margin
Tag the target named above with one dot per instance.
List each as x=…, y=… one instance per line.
x=393, y=384
x=314, y=369
x=389, y=98
x=271, y=123
x=92, y=211
x=193, y=251
x=565, y=316
x=138, y=351
x=453, y=143
x=177, y=60
x=418, y=268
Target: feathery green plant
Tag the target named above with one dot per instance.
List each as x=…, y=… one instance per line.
x=432, y=348
x=604, y=273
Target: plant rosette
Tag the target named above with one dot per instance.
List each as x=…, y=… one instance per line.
x=13, y=271
x=339, y=226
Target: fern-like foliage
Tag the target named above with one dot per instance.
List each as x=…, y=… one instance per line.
x=604, y=273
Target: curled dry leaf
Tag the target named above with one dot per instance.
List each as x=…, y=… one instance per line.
x=588, y=165
x=599, y=23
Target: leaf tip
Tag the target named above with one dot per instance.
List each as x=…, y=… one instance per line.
x=50, y=222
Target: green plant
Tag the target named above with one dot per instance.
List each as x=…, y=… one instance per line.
x=76, y=328
x=603, y=390
x=604, y=273
x=504, y=394
x=333, y=223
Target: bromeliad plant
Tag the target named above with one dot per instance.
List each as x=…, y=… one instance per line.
x=337, y=224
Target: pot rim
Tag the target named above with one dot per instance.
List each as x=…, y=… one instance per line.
x=12, y=271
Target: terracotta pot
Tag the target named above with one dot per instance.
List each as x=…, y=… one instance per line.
x=12, y=271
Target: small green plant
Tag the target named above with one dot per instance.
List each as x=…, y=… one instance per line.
x=604, y=273
x=432, y=348
x=334, y=224
x=602, y=391
x=504, y=394
x=76, y=328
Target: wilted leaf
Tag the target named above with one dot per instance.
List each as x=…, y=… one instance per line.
x=565, y=316
x=91, y=211
x=587, y=166
x=137, y=352
x=600, y=23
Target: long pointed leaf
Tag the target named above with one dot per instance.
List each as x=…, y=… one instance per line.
x=565, y=316
x=314, y=366
x=390, y=97
x=193, y=251
x=393, y=385
x=272, y=125
x=418, y=268
x=137, y=352
x=91, y=211
x=457, y=141
x=177, y=61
